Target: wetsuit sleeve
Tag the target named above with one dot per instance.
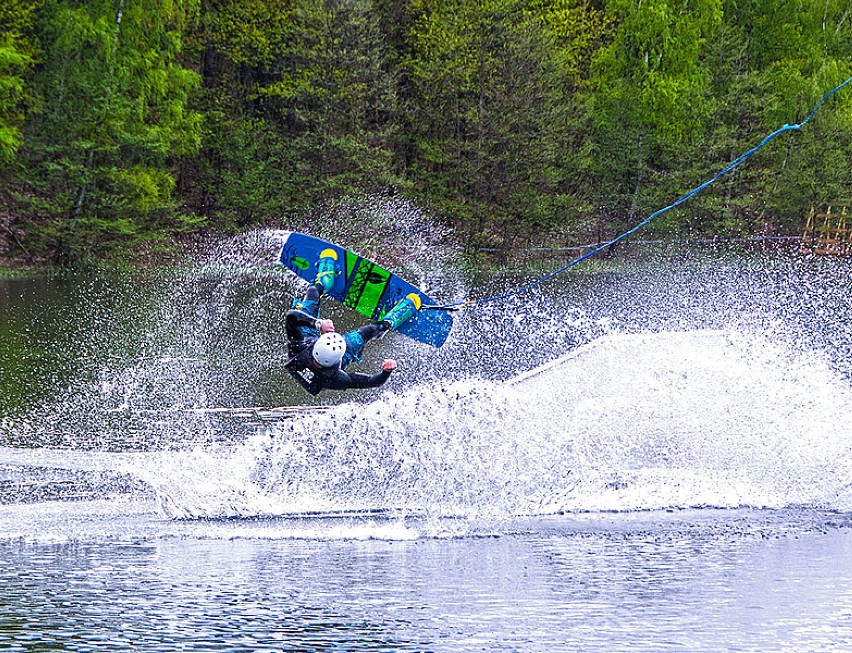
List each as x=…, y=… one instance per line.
x=346, y=381
x=295, y=319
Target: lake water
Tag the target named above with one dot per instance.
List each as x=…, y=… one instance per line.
x=647, y=457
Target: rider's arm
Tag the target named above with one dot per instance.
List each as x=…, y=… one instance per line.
x=351, y=381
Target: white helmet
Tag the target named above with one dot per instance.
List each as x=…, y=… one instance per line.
x=329, y=349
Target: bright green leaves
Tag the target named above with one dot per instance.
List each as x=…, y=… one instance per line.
x=578, y=30
x=794, y=51
x=654, y=63
x=115, y=116
x=685, y=86
x=519, y=121
x=316, y=94
x=16, y=57
x=12, y=63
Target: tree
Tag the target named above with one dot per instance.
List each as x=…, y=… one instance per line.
x=776, y=60
x=649, y=101
x=16, y=57
x=492, y=111
x=114, y=119
x=518, y=121
x=811, y=52
x=303, y=95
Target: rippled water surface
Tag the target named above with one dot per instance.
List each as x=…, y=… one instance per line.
x=645, y=457
x=691, y=580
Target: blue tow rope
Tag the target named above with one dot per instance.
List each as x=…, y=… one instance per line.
x=695, y=191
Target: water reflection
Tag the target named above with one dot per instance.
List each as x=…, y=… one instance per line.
x=699, y=581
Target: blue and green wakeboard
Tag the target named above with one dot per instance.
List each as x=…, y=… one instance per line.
x=366, y=287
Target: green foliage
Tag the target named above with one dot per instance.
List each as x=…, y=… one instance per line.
x=654, y=64
x=773, y=63
x=517, y=121
x=578, y=31
x=493, y=115
x=649, y=97
x=313, y=113
x=16, y=57
x=114, y=119
x=685, y=88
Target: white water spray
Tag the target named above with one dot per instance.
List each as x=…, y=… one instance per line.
x=630, y=422
x=657, y=411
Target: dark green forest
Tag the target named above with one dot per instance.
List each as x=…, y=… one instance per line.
x=130, y=124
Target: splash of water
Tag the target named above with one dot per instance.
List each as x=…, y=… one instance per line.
x=389, y=230
x=211, y=335
x=630, y=422
x=669, y=416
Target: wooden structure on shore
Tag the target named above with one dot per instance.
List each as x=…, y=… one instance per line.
x=827, y=233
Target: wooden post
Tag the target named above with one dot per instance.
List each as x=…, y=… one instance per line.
x=827, y=233
x=809, y=235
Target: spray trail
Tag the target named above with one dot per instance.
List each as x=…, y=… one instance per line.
x=661, y=409
x=630, y=422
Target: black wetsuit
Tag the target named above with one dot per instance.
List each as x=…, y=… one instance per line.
x=301, y=336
